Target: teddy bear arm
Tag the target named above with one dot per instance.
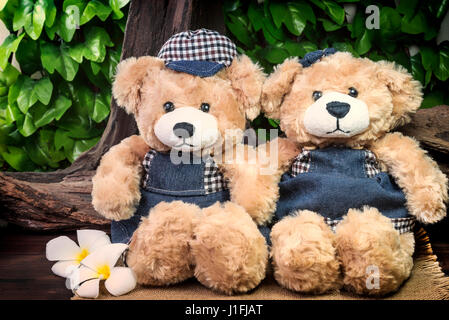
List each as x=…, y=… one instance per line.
x=116, y=184
x=424, y=184
x=253, y=183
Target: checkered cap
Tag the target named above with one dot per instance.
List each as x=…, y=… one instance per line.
x=199, y=45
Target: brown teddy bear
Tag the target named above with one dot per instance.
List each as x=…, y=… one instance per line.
x=353, y=189
x=167, y=190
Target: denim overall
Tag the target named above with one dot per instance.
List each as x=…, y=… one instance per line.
x=335, y=181
x=166, y=181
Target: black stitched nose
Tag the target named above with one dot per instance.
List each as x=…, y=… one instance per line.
x=183, y=129
x=338, y=109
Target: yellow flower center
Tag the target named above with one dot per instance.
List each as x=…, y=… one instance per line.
x=103, y=272
x=84, y=253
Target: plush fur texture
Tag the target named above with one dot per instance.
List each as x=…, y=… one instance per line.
x=304, y=254
x=220, y=245
x=239, y=251
x=365, y=237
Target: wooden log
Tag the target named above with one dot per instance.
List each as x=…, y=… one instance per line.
x=61, y=199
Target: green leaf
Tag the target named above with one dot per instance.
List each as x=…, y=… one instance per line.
x=278, y=11
x=58, y=58
x=432, y=99
x=30, y=15
x=9, y=46
x=417, y=24
x=26, y=125
x=76, y=52
x=28, y=56
x=42, y=115
x=62, y=140
x=274, y=54
x=305, y=10
x=61, y=105
x=101, y=107
x=95, y=8
x=8, y=76
x=18, y=159
x=50, y=13
x=43, y=89
x=408, y=8
x=329, y=25
x=295, y=49
x=116, y=5
x=418, y=71
x=97, y=39
x=26, y=97
x=239, y=29
x=430, y=58
x=363, y=45
x=12, y=113
x=82, y=146
x=442, y=72
x=295, y=21
x=389, y=22
x=334, y=11
x=95, y=67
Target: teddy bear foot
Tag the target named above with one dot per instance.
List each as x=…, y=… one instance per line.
x=375, y=259
x=159, y=251
x=230, y=253
x=304, y=256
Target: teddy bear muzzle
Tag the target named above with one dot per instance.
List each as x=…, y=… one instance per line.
x=187, y=129
x=336, y=115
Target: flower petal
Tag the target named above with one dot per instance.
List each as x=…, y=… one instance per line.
x=121, y=281
x=64, y=268
x=106, y=255
x=62, y=248
x=91, y=239
x=80, y=275
x=101, y=241
x=88, y=289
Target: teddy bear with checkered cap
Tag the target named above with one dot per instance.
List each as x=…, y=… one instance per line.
x=183, y=212
x=351, y=190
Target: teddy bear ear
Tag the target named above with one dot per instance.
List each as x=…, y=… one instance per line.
x=278, y=84
x=129, y=79
x=406, y=92
x=246, y=80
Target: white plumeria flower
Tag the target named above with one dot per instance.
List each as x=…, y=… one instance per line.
x=69, y=254
x=100, y=265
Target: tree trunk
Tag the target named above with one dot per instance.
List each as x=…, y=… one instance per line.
x=62, y=199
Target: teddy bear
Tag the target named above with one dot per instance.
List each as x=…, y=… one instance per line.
x=352, y=189
x=166, y=190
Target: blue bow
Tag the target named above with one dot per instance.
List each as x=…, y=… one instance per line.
x=312, y=57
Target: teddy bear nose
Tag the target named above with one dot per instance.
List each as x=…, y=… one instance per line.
x=338, y=109
x=183, y=129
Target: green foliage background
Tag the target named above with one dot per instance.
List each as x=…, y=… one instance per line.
x=273, y=30
x=56, y=107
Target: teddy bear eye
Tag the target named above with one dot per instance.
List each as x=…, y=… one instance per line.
x=205, y=107
x=169, y=106
x=316, y=95
x=353, y=92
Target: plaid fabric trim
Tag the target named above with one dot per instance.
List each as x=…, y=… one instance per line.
x=371, y=165
x=213, y=178
x=301, y=164
x=403, y=225
x=199, y=45
x=146, y=166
